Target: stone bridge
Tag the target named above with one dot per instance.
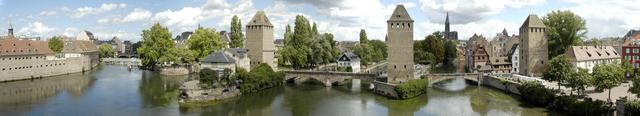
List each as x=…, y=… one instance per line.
x=122, y=61
x=436, y=78
x=327, y=78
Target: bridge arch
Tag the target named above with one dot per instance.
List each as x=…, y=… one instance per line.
x=437, y=78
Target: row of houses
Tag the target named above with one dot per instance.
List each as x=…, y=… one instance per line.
x=505, y=53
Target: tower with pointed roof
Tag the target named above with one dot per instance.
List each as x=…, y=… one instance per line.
x=534, y=47
x=446, y=25
x=10, y=30
x=259, y=40
x=400, y=45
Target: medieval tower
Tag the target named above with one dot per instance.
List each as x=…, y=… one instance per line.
x=259, y=39
x=533, y=50
x=400, y=45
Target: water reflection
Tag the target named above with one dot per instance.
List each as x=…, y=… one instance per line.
x=113, y=90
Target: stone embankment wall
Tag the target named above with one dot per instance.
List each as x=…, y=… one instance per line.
x=384, y=89
x=28, y=67
x=511, y=87
x=180, y=70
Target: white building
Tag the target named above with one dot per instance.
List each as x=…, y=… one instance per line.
x=349, y=60
x=86, y=36
x=241, y=57
x=513, y=57
x=589, y=56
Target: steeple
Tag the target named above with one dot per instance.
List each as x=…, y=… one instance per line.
x=260, y=19
x=446, y=25
x=10, y=29
x=504, y=32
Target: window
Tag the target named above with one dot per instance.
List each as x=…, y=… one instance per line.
x=627, y=50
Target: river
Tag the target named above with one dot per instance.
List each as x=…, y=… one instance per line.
x=115, y=91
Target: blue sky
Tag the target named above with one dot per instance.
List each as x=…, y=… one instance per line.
x=344, y=18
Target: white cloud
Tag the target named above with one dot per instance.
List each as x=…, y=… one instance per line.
x=48, y=13
x=467, y=11
x=121, y=34
x=619, y=17
x=36, y=28
x=187, y=16
x=84, y=11
x=70, y=32
x=137, y=15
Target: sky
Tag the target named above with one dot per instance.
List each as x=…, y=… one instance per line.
x=126, y=19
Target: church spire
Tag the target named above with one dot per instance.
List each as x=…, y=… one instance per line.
x=10, y=29
x=446, y=24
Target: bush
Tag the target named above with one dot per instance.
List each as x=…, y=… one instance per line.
x=260, y=77
x=535, y=93
x=207, y=76
x=412, y=88
x=588, y=107
x=632, y=108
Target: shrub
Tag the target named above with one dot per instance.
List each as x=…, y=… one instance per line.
x=260, y=77
x=411, y=88
x=589, y=107
x=632, y=108
x=535, y=93
x=207, y=76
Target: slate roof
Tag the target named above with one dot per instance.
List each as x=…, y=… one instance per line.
x=237, y=52
x=587, y=53
x=259, y=19
x=350, y=57
x=400, y=14
x=533, y=21
x=218, y=57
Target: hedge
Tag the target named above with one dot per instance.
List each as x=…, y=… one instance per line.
x=536, y=94
x=632, y=108
x=411, y=88
x=260, y=77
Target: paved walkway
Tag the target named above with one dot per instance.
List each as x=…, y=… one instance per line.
x=616, y=92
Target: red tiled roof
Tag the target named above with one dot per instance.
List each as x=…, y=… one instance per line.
x=11, y=46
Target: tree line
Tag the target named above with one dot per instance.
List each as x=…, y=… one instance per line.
x=434, y=49
x=305, y=47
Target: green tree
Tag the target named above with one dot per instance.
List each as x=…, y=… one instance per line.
x=236, y=33
x=635, y=87
x=450, y=52
x=380, y=50
x=56, y=44
x=363, y=37
x=297, y=51
x=106, y=51
x=314, y=29
x=559, y=69
x=607, y=76
x=628, y=68
x=156, y=41
x=564, y=28
x=434, y=45
x=178, y=55
x=364, y=52
x=579, y=80
x=204, y=41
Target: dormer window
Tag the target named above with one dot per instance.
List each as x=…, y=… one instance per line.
x=397, y=15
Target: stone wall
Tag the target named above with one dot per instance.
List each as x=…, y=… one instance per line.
x=385, y=89
x=179, y=70
x=512, y=87
x=36, y=66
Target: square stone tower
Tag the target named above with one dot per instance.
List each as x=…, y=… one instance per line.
x=400, y=45
x=259, y=40
x=534, y=47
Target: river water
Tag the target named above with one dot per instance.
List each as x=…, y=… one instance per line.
x=115, y=91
